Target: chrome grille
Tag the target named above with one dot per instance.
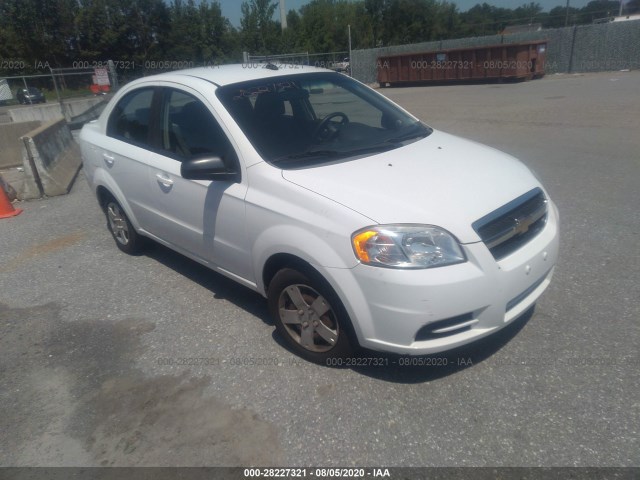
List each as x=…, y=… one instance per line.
x=511, y=226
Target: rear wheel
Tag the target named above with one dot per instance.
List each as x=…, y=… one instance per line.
x=127, y=239
x=309, y=316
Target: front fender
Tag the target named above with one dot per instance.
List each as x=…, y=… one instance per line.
x=336, y=268
x=300, y=243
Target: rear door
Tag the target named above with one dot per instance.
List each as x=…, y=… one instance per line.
x=124, y=151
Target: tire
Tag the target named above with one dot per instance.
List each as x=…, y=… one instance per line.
x=125, y=236
x=309, y=316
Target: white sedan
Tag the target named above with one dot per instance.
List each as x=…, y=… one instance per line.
x=361, y=225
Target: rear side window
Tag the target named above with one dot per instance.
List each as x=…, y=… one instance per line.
x=130, y=119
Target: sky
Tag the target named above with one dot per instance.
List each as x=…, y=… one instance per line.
x=231, y=8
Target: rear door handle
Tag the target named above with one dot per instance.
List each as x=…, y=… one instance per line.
x=164, y=180
x=108, y=159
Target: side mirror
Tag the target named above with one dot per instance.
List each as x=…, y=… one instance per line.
x=209, y=168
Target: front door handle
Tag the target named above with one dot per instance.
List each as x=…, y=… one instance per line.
x=108, y=159
x=164, y=180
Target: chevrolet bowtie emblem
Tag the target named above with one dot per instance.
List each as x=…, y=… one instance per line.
x=521, y=225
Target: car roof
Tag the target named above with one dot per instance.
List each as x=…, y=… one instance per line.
x=221, y=75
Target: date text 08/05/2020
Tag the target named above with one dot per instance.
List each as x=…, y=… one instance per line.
x=315, y=472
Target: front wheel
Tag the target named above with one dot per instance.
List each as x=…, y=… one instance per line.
x=309, y=316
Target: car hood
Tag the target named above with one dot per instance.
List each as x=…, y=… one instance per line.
x=440, y=180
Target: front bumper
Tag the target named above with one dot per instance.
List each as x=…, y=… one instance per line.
x=391, y=309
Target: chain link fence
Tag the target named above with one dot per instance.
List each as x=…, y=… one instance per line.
x=585, y=48
x=76, y=94
x=338, y=61
x=55, y=86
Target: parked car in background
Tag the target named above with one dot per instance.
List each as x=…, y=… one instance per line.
x=30, y=95
x=342, y=66
x=360, y=224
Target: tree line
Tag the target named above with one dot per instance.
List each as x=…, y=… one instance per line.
x=63, y=33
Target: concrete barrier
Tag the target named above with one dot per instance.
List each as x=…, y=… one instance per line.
x=43, y=113
x=51, y=160
x=10, y=145
x=52, y=111
x=79, y=116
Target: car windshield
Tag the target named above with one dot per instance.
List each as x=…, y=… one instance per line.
x=300, y=120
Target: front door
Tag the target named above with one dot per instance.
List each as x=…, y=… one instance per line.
x=205, y=219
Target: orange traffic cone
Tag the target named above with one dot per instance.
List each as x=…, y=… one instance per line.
x=6, y=208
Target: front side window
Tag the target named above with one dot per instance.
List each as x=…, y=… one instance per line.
x=188, y=130
x=302, y=120
x=130, y=119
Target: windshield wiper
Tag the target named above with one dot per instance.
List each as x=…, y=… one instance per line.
x=309, y=154
x=378, y=147
x=336, y=154
x=421, y=133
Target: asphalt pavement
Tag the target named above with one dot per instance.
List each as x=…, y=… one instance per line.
x=107, y=359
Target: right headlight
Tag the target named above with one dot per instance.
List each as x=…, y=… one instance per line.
x=406, y=246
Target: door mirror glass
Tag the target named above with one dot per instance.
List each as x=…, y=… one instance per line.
x=209, y=168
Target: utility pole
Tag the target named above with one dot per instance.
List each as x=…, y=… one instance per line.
x=621, y=4
x=566, y=18
x=349, y=32
x=55, y=85
x=283, y=15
